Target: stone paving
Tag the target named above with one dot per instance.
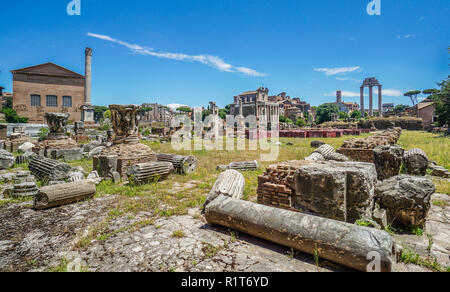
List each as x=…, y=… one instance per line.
x=38, y=240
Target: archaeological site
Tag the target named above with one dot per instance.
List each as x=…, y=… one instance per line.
x=166, y=154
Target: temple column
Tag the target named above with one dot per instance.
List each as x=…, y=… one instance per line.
x=362, y=101
x=380, y=100
x=371, y=101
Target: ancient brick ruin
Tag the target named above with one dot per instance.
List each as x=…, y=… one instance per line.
x=126, y=150
x=362, y=149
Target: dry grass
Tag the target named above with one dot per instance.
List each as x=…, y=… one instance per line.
x=165, y=199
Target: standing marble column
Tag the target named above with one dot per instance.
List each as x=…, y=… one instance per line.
x=371, y=101
x=380, y=100
x=362, y=101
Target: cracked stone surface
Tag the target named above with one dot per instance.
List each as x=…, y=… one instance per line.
x=437, y=229
x=37, y=240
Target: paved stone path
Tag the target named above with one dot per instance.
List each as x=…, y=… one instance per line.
x=37, y=240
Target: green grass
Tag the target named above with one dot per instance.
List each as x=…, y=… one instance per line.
x=436, y=147
x=409, y=257
x=163, y=200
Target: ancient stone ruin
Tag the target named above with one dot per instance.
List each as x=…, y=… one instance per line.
x=149, y=172
x=47, y=169
x=346, y=244
x=126, y=148
x=62, y=194
x=58, y=145
x=242, y=166
x=362, y=149
x=181, y=164
x=406, y=199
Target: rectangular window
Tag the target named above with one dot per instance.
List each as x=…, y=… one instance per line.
x=52, y=101
x=67, y=101
x=35, y=100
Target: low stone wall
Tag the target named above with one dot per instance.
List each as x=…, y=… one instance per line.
x=361, y=155
x=405, y=123
x=362, y=149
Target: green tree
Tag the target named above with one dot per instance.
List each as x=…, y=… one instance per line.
x=283, y=119
x=325, y=111
x=431, y=91
x=184, y=109
x=442, y=99
x=223, y=112
x=343, y=116
x=11, y=116
x=107, y=114
x=300, y=122
x=413, y=95
x=99, y=112
x=205, y=114
x=400, y=108
x=355, y=115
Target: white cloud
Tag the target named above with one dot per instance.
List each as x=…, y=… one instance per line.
x=386, y=92
x=337, y=70
x=212, y=61
x=389, y=92
x=406, y=36
x=175, y=106
x=345, y=94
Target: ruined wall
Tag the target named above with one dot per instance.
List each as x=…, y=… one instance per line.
x=361, y=149
x=405, y=123
x=276, y=187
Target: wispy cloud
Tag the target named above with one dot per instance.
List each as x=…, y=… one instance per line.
x=175, y=106
x=389, y=92
x=212, y=61
x=337, y=70
x=404, y=37
x=386, y=92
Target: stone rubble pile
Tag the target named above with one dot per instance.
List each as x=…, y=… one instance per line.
x=361, y=149
x=57, y=145
x=388, y=161
x=126, y=149
x=406, y=199
x=416, y=162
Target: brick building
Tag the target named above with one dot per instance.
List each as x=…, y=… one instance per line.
x=47, y=88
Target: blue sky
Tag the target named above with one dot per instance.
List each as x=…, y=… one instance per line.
x=193, y=52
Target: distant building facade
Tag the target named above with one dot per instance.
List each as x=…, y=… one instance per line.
x=47, y=88
x=158, y=114
x=255, y=103
x=347, y=107
x=426, y=111
x=291, y=108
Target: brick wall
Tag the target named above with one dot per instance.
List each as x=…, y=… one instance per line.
x=26, y=85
